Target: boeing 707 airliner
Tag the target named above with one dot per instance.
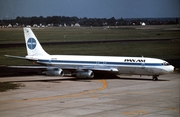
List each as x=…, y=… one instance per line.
x=87, y=66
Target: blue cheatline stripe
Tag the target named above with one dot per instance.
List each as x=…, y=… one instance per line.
x=94, y=62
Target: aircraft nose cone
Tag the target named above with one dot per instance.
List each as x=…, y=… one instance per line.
x=171, y=69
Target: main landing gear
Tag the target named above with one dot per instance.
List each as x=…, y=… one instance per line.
x=155, y=78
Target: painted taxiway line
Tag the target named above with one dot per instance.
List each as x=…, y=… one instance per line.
x=75, y=95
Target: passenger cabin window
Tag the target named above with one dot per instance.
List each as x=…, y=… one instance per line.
x=165, y=64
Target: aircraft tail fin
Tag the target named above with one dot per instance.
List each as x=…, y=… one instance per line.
x=33, y=46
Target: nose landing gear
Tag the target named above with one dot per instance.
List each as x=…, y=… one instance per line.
x=155, y=78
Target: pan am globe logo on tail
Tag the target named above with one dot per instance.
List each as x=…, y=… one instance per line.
x=31, y=43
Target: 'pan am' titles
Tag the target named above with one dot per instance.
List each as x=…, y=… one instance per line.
x=134, y=60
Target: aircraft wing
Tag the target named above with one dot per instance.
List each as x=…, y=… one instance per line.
x=100, y=68
x=31, y=67
x=95, y=68
x=68, y=68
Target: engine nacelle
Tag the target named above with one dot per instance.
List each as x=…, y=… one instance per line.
x=85, y=74
x=54, y=72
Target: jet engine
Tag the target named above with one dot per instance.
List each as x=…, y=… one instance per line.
x=54, y=72
x=85, y=74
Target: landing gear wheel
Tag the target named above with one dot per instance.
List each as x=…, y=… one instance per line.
x=155, y=78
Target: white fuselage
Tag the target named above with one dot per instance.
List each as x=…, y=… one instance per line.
x=86, y=66
x=124, y=65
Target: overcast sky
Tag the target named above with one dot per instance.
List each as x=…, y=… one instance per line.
x=90, y=8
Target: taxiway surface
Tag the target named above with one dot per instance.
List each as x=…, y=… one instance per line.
x=126, y=96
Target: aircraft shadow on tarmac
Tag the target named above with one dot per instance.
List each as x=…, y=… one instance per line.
x=53, y=80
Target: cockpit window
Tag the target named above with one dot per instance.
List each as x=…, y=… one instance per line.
x=166, y=64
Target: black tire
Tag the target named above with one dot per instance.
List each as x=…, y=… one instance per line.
x=155, y=78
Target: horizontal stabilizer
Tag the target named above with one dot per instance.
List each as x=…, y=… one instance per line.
x=19, y=57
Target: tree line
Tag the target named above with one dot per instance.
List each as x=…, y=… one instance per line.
x=61, y=20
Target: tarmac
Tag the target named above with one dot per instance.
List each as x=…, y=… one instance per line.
x=122, y=96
